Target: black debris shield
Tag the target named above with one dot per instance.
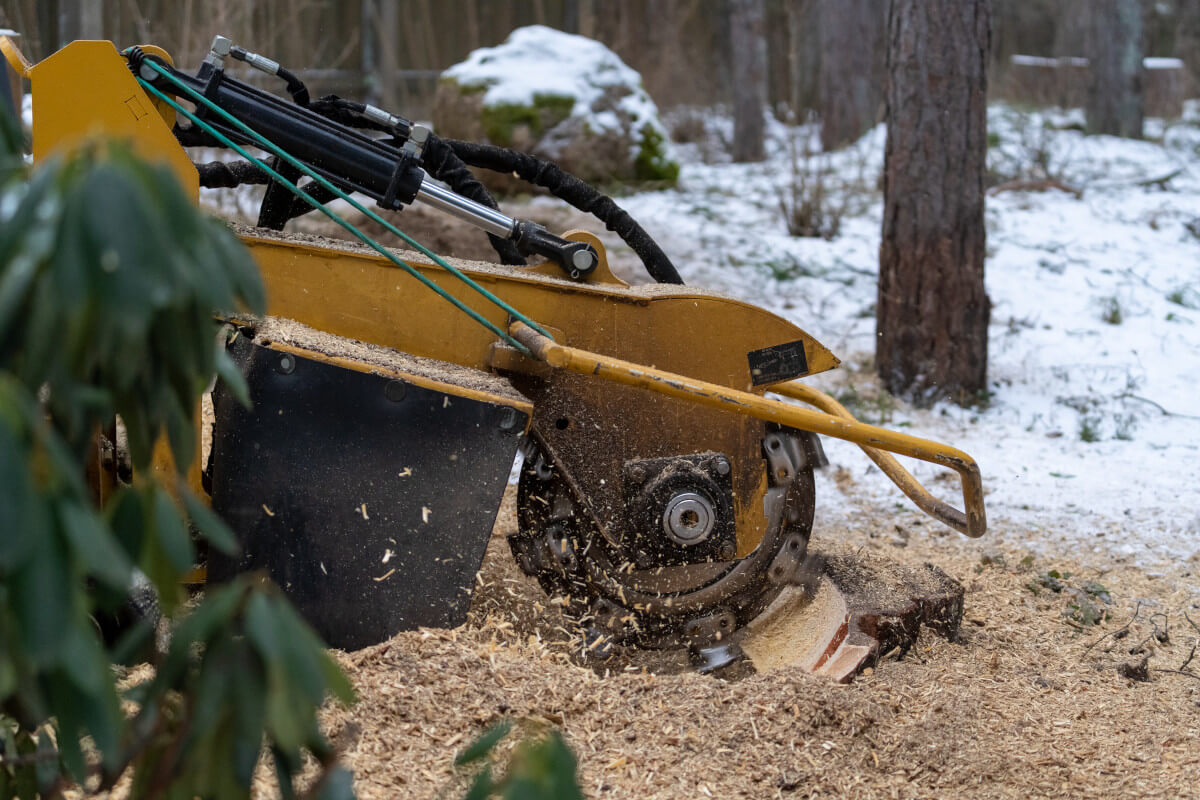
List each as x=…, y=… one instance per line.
x=369, y=500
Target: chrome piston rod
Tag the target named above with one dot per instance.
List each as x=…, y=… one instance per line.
x=477, y=214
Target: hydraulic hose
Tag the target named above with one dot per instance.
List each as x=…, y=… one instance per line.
x=578, y=193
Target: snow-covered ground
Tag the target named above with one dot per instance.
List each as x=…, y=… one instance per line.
x=1091, y=434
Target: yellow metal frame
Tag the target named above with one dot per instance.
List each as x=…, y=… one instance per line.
x=840, y=424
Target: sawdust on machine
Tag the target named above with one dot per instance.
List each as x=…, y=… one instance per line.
x=290, y=332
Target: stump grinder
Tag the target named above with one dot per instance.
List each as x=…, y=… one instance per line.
x=664, y=499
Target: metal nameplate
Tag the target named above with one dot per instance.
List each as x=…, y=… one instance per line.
x=780, y=362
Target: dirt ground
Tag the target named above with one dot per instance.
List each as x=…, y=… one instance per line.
x=1030, y=701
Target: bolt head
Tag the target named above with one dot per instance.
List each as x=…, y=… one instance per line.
x=508, y=419
x=583, y=259
x=221, y=45
x=395, y=390
x=286, y=364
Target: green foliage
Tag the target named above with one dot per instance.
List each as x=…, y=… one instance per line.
x=874, y=405
x=540, y=768
x=109, y=278
x=1085, y=604
x=653, y=163
x=1186, y=296
x=501, y=120
x=1052, y=580
x=1110, y=311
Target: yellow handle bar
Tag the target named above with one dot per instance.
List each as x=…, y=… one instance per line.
x=833, y=420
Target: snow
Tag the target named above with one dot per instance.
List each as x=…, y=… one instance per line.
x=1070, y=61
x=539, y=61
x=1042, y=61
x=1162, y=63
x=1091, y=436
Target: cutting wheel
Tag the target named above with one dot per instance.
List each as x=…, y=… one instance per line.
x=652, y=584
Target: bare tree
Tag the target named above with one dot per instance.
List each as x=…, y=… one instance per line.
x=747, y=30
x=850, y=88
x=1114, y=43
x=1070, y=26
x=932, y=313
x=82, y=19
x=1187, y=41
x=804, y=55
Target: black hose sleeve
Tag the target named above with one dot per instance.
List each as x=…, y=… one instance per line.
x=229, y=174
x=295, y=86
x=571, y=189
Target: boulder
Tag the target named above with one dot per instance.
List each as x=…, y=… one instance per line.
x=562, y=97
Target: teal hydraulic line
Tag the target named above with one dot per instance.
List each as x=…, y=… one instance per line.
x=475, y=315
x=322, y=181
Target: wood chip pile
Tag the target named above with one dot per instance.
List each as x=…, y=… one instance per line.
x=1034, y=700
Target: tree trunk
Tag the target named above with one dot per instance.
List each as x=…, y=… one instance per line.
x=48, y=28
x=1071, y=27
x=81, y=19
x=850, y=86
x=1114, y=41
x=932, y=312
x=749, y=46
x=386, y=31
x=804, y=56
x=1187, y=42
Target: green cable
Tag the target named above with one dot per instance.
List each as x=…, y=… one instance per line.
x=475, y=315
x=266, y=144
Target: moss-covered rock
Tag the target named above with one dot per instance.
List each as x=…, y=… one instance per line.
x=501, y=121
x=561, y=97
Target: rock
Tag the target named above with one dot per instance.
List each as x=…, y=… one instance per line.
x=562, y=97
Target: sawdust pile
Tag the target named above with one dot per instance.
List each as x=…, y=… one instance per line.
x=1029, y=702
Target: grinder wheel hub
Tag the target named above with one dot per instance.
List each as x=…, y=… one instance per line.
x=688, y=518
x=700, y=604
